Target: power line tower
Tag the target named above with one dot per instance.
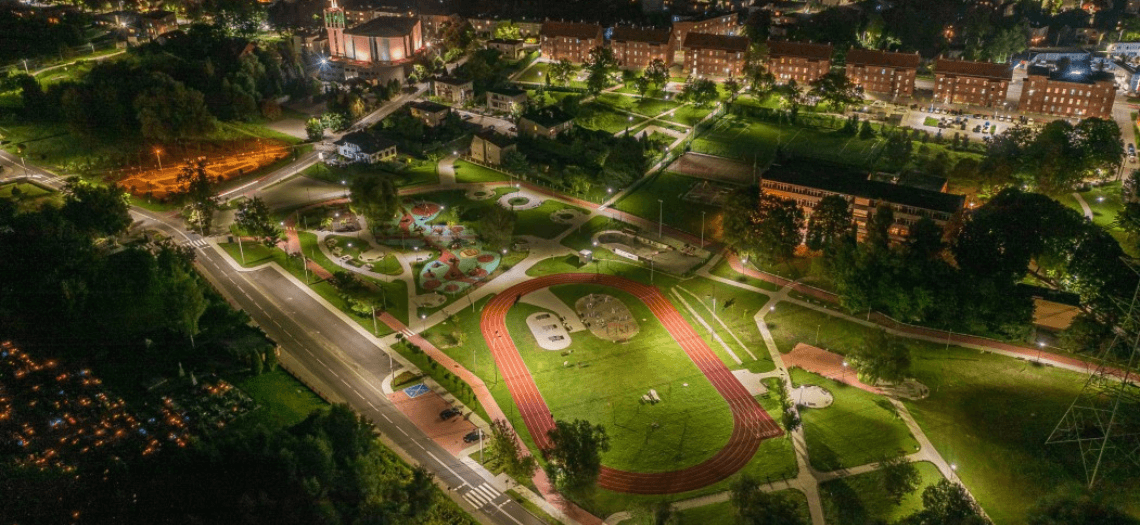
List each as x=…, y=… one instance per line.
x=1104, y=419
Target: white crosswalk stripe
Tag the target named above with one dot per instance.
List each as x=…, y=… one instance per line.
x=197, y=243
x=482, y=495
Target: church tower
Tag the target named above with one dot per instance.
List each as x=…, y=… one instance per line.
x=334, y=23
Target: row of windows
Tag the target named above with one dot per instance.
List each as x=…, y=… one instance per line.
x=819, y=194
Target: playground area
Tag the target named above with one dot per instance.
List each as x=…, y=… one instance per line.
x=224, y=161
x=462, y=261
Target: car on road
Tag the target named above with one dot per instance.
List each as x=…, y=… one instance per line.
x=468, y=117
x=473, y=436
x=449, y=413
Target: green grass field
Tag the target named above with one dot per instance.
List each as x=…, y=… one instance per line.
x=30, y=196
x=640, y=105
x=537, y=221
x=722, y=512
x=791, y=324
x=736, y=309
x=723, y=269
x=468, y=172
x=669, y=187
x=857, y=500
x=858, y=428
x=595, y=115
x=689, y=115
x=694, y=422
x=991, y=415
x=282, y=400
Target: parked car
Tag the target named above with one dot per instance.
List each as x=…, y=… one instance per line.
x=473, y=436
x=449, y=413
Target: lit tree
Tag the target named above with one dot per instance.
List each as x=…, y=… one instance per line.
x=575, y=458
x=657, y=72
x=253, y=217
x=200, y=189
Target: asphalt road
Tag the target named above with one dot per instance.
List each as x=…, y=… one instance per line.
x=332, y=351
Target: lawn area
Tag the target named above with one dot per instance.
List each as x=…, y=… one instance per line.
x=537, y=72
x=694, y=421
x=791, y=324
x=723, y=269
x=689, y=115
x=388, y=266
x=736, y=309
x=991, y=415
x=640, y=105
x=1105, y=202
x=282, y=400
x=468, y=172
x=722, y=512
x=595, y=115
x=669, y=187
x=537, y=222
x=861, y=499
x=415, y=173
x=930, y=121
x=858, y=428
x=771, y=101
x=29, y=196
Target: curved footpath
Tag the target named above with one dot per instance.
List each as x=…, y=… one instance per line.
x=751, y=424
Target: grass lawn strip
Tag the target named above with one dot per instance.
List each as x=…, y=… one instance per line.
x=31, y=196
x=860, y=499
x=595, y=115
x=723, y=269
x=791, y=324
x=651, y=107
x=282, y=401
x=669, y=187
x=736, y=309
x=537, y=222
x=858, y=428
x=467, y=172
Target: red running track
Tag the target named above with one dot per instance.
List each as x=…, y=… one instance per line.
x=751, y=424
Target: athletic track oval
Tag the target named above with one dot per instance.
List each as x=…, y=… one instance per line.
x=751, y=424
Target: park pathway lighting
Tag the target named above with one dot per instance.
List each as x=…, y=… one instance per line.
x=844, y=371
x=1040, y=348
x=158, y=154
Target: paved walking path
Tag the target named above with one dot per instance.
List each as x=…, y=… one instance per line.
x=1084, y=205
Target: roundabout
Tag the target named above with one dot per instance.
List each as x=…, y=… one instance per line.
x=750, y=423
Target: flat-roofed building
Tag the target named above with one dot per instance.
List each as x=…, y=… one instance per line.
x=973, y=83
x=546, y=122
x=505, y=99
x=1077, y=92
x=808, y=183
x=488, y=147
x=715, y=55
x=510, y=48
x=430, y=113
x=803, y=62
x=636, y=47
x=453, y=90
x=883, y=71
x=569, y=40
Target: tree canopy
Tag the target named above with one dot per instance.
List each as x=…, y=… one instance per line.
x=374, y=196
x=575, y=459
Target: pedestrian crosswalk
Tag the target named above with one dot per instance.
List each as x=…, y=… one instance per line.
x=197, y=243
x=481, y=496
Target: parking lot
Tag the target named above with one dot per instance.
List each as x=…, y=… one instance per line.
x=976, y=126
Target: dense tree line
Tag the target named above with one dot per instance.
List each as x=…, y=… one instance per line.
x=329, y=469
x=28, y=37
x=172, y=91
x=1057, y=159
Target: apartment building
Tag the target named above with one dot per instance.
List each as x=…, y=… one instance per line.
x=636, y=47
x=973, y=83
x=803, y=62
x=569, y=40
x=883, y=72
x=1077, y=92
x=715, y=55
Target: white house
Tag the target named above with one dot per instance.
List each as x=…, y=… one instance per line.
x=360, y=146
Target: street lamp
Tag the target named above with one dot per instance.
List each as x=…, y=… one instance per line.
x=844, y=371
x=660, y=217
x=158, y=154
x=345, y=185
x=1040, y=348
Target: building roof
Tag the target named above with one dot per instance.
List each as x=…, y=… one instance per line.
x=385, y=27
x=157, y=14
x=966, y=68
x=451, y=80
x=1079, y=73
x=868, y=57
x=507, y=91
x=843, y=180
x=497, y=139
x=799, y=49
x=367, y=142
x=722, y=42
x=429, y=106
x=548, y=116
x=571, y=29
x=638, y=34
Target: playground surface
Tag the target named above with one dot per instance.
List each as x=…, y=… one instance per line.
x=751, y=423
x=227, y=161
